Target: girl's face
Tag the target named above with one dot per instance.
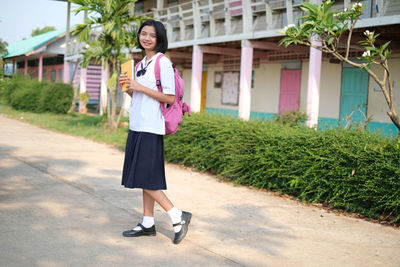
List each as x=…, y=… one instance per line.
x=148, y=37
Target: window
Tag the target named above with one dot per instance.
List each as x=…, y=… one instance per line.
x=139, y=7
x=53, y=75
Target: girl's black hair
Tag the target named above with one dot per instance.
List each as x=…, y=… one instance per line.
x=161, y=33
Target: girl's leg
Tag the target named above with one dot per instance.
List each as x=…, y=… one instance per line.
x=148, y=204
x=180, y=219
x=148, y=211
x=157, y=195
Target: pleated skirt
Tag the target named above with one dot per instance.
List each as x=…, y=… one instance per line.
x=144, y=161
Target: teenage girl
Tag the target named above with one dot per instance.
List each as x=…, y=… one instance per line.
x=144, y=153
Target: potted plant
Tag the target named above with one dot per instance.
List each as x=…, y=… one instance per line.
x=84, y=99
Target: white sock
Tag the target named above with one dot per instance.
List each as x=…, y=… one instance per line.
x=176, y=216
x=147, y=222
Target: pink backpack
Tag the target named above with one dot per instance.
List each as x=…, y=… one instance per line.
x=172, y=113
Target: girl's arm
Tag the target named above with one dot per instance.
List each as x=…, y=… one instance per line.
x=129, y=92
x=159, y=96
x=135, y=86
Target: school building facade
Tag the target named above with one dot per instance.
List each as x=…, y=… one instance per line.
x=43, y=57
x=229, y=56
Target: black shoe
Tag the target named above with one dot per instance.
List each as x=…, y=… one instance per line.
x=185, y=220
x=144, y=231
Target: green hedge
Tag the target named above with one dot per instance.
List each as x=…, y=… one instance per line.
x=57, y=98
x=31, y=95
x=350, y=170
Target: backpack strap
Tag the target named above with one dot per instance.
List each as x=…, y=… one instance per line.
x=157, y=73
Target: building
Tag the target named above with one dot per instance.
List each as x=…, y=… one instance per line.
x=229, y=55
x=39, y=57
x=42, y=57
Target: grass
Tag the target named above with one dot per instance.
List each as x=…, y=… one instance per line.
x=84, y=125
x=352, y=171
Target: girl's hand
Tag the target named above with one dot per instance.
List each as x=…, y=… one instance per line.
x=132, y=84
x=124, y=79
x=135, y=86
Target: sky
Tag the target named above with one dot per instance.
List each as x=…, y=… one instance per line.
x=19, y=17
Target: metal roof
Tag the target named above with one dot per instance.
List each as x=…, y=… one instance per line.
x=28, y=46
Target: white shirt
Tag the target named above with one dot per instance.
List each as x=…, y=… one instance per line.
x=145, y=112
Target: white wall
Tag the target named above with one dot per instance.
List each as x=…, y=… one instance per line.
x=377, y=105
x=186, y=75
x=265, y=94
x=57, y=47
x=329, y=102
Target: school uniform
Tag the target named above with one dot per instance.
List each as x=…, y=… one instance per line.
x=144, y=153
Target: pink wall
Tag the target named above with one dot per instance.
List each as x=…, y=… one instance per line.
x=48, y=69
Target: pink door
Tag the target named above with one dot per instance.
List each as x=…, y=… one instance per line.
x=290, y=91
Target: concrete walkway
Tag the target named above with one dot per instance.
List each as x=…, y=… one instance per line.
x=61, y=204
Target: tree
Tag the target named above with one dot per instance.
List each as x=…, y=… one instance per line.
x=330, y=26
x=116, y=31
x=39, y=31
x=3, y=52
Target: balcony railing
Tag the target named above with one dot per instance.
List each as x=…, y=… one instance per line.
x=199, y=19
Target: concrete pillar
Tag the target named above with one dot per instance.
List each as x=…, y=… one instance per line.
x=347, y=3
x=82, y=85
x=247, y=17
x=160, y=4
x=181, y=25
x=13, y=67
x=268, y=15
x=227, y=23
x=246, y=67
x=40, y=73
x=196, y=19
x=313, y=89
x=380, y=8
x=289, y=11
x=66, y=73
x=26, y=66
x=169, y=25
x=103, y=87
x=212, y=19
x=197, y=69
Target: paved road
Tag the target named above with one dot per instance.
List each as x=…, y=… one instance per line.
x=61, y=204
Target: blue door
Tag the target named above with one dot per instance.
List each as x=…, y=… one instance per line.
x=354, y=94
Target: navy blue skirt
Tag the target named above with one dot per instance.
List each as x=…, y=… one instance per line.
x=144, y=161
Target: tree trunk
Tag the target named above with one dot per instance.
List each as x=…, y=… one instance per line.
x=121, y=110
x=114, y=109
x=72, y=108
x=395, y=119
x=108, y=108
x=114, y=100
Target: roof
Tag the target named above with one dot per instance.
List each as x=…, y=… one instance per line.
x=29, y=45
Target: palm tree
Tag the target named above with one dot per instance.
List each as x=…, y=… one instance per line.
x=3, y=52
x=116, y=30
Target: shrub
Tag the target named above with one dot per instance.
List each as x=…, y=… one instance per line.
x=4, y=85
x=291, y=118
x=57, y=98
x=31, y=95
x=9, y=86
x=351, y=170
x=26, y=94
